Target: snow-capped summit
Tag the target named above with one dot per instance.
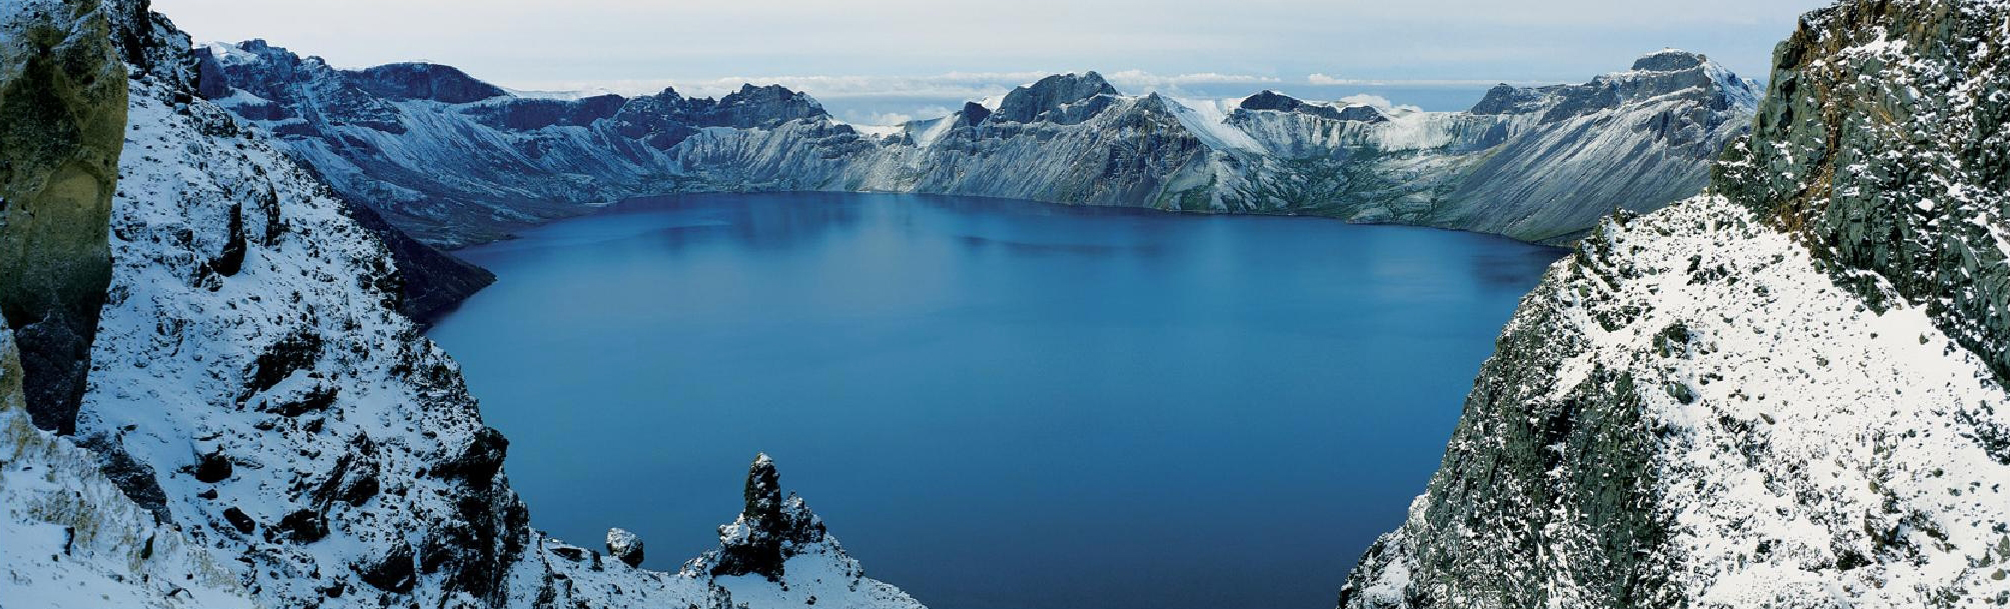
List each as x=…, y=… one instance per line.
x=1664, y=74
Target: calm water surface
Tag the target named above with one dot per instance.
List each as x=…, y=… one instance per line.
x=994, y=404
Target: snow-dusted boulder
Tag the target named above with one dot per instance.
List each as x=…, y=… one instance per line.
x=624, y=546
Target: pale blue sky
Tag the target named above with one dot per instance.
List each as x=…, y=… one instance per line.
x=633, y=45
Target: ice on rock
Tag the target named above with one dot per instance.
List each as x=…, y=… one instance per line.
x=624, y=546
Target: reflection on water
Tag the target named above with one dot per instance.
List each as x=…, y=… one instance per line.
x=994, y=403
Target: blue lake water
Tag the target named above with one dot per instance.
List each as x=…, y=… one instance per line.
x=993, y=404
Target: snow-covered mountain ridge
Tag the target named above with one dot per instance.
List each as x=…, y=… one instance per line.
x=1787, y=392
x=261, y=426
x=455, y=161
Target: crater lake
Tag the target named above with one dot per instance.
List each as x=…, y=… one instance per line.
x=996, y=404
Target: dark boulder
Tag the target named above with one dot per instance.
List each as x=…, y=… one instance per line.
x=213, y=468
x=239, y=520
x=479, y=461
x=284, y=357
x=392, y=573
x=304, y=525
x=135, y=479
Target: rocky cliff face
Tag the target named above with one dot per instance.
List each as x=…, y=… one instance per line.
x=1883, y=145
x=1756, y=398
x=62, y=107
x=460, y=172
x=261, y=425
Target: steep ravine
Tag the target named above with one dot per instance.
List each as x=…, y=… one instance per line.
x=1787, y=392
x=260, y=425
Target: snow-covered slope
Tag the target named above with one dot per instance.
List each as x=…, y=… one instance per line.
x=1691, y=412
x=479, y=163
x=1534, y=164
x=73, y=540
x=261, y=425
x=1756, y=398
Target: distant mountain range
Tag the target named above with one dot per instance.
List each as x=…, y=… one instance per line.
x=452, y=160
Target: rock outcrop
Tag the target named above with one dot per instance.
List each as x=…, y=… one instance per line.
x=62, y=110
x=778, y=554
x=1784, y=393
x=1883, y=144
x=625, y=547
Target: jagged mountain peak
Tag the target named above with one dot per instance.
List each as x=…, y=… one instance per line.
x=255, y=49
x=1669, y=60
x=1664, y=75
x=1270, y=100
x=972, y=114
x=1061, y=98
